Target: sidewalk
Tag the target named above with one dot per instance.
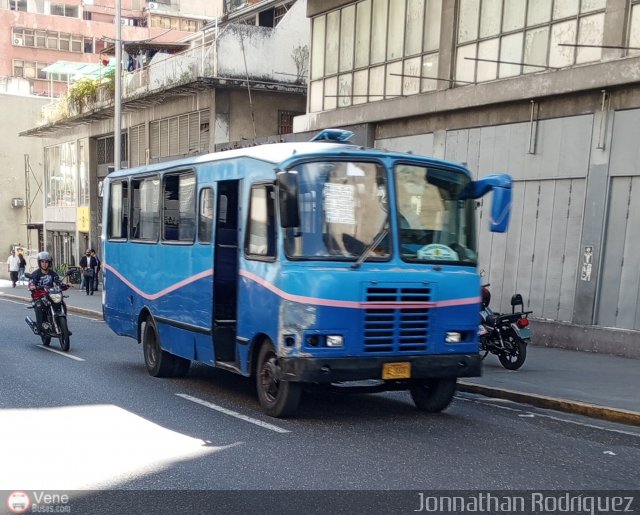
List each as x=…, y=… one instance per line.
x=595, y=385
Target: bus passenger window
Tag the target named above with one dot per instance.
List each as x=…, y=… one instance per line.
x=205, y=216
x=261, y=229
x=145, y=215
x=118, y=210
x=179, y=206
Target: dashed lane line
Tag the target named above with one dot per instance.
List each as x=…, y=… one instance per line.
x=232, y=413
x=65, y=354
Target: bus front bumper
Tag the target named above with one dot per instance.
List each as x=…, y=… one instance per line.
x=330, y=370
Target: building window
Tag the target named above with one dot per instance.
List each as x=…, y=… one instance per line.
x=634, y=28
x=505, y=38
x=182, y=135
x=349, y=66
x=61, y=175
x=51, y=40
x=285, y=121
x=105, y=149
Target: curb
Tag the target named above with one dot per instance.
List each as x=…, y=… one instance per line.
x=541, y=401
x=72, y=309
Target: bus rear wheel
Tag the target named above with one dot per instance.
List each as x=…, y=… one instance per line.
x=159, y=363
x=277, y=398
x=433, y=395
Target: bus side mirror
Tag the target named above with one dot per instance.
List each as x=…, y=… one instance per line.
x=287, y=182
x=500, y=184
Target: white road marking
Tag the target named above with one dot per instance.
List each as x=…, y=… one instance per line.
x=232, y=413
x=551, y=417
x=65, y=354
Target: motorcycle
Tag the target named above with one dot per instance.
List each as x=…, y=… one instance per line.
x=505, y=335
x=54, y=323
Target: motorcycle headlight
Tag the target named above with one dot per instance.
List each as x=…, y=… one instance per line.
x=55, y=297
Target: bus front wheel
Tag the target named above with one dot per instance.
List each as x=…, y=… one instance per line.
x=277, y=398
x=157, y=361
x=433, y=395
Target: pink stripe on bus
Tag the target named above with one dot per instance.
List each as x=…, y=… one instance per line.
x=298, y=298
x=161, y=293
x=357, y=305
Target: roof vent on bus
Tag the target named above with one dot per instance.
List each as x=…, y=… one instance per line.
x=335, y=135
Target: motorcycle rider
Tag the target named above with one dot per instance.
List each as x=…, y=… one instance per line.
x=42, y=278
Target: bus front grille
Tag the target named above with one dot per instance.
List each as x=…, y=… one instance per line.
x=390, y=329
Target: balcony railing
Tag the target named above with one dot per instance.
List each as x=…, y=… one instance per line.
x=164, y=72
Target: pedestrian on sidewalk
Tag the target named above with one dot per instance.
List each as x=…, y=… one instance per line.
x=22, y=267
x=96, y=274
x=13, y=266
x=89, y=264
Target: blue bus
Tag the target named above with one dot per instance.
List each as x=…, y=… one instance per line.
x=318, y=262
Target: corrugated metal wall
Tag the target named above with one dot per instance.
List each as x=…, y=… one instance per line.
x=619, y=287
x=538, y=257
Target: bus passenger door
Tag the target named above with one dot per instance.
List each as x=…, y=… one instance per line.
x=225, y=278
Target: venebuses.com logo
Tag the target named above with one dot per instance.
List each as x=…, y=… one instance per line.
x=18, y=502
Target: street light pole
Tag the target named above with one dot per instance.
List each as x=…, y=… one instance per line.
x=117, y=125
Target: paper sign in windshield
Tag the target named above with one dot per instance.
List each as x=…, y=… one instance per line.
x=339, y=205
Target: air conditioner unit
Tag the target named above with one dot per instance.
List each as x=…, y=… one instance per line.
x=17, y=202
x=153, y=5
x=18, y=41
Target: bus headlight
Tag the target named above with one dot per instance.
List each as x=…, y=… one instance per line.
x=335, y=340
x=453, y=337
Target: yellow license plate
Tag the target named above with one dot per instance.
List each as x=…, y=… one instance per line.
x=396, y=370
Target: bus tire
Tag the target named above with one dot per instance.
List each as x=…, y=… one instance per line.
x=159, y=363
x=277, y=398
x=433, y=395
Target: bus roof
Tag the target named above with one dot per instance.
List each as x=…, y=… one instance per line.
x=276, y=153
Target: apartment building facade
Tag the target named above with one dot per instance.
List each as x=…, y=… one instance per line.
x=43, y=32
x=545, y=90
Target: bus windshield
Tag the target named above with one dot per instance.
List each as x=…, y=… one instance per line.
x=435, y=226
x=343, y=209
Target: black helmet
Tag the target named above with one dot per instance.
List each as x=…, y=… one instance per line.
x=44, y=256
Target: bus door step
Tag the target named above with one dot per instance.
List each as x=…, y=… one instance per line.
x=224, y=343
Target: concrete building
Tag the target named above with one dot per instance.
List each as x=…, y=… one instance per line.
x=238, y=79
x=21, y=197
x=546, y=90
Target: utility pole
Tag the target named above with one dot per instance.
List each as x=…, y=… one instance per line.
x=117, y=125
x=27, y=200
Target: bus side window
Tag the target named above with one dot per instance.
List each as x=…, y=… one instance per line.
x=179, y=206
x=260, y=239
x=118, y=210
x=205, y=216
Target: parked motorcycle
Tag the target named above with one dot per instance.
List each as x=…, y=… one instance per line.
x=505, y=335
x=54, y=324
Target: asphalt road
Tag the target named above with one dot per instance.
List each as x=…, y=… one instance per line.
x=94, y=419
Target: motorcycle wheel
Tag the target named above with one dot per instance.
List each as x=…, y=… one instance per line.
x=65, y=341
x=513, y=359
x=433, y=395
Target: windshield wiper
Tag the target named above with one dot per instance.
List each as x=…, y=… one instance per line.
x=376, y=241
